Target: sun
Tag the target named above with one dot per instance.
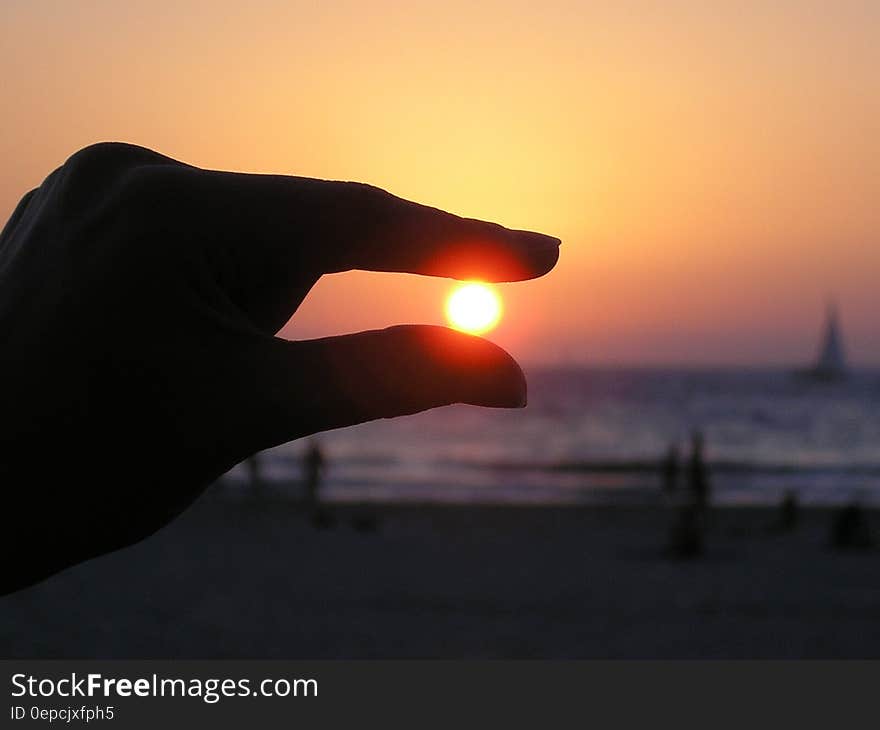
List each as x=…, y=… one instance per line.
x=473, y=307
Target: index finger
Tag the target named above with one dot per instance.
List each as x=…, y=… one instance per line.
x=339, y=226
x=382, y=232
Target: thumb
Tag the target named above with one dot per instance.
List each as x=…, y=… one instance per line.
x=315, y=385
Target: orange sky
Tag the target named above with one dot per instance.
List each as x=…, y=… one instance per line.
x=712, y=168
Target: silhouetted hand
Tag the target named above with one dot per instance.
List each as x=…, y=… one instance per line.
x=139, y=299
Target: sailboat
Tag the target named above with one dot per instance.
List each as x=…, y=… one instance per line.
x=831, y=363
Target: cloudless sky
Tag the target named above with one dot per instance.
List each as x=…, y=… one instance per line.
x=712, y=167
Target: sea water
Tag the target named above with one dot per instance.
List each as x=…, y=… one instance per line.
x=598, y=435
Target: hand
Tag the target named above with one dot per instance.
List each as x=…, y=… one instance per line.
x=139, y=299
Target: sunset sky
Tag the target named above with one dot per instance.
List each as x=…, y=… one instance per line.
x=713, y=168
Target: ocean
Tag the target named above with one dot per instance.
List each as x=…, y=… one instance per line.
x=598, y=435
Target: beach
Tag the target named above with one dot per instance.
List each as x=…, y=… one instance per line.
x=252, y=578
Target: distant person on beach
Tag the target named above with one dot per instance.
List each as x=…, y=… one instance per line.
x=671, y=466
x=698, y=472
x=139, y=302
x=313, y=463
x=788, y=512
x=312, y=468
x=253, y=468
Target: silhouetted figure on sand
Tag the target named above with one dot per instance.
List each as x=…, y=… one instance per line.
x=698, y=473
x=207, y=266
x=788, y=512
x=313, y=467
x=850, y=529
x=671, y=467
x=255, y=481
x=313, y=464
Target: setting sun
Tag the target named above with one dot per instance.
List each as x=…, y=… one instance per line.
x=474, y=308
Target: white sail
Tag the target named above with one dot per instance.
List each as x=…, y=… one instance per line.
x=832, y=358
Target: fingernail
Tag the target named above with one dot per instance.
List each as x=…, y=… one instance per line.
x=540, y=240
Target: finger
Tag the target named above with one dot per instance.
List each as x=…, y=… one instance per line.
x=301, y=388
x=377, y=231
x=338, y=226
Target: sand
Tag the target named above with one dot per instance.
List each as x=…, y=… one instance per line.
x=237, y=579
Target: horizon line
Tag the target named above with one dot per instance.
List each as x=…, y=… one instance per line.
x=646, y=365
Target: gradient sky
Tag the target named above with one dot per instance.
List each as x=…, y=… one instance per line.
x=713, y=168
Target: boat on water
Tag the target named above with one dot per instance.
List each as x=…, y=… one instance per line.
x=830, y=365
